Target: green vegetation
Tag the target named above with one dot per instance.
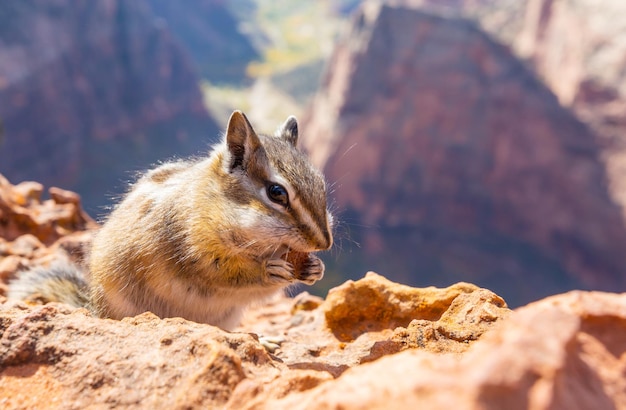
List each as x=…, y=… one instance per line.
x=221, y=100
x=293, y=39
x=298, y=33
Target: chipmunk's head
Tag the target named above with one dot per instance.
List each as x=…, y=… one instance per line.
x=282, y=196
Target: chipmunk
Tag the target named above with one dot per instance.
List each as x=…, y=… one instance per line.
x=202, y=239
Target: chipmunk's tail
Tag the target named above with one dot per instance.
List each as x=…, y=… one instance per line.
x=62, y=282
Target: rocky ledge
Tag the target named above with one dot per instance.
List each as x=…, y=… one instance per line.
x=371, y=343
x=35, y=231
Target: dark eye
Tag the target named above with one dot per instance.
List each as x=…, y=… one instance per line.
x=278, y=193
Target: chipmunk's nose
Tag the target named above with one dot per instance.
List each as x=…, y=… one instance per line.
x=327, y=241
x=318, y=236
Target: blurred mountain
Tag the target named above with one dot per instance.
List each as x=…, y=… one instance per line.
x=211, y=35
x=577, y=48
x=92, y=91
x=452, y=161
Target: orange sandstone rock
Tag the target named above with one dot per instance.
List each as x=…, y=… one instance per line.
x=567, y=351
x=140, y=361
x=35, y=231
x=375, y=303
x=363, y=320
x=24, y=212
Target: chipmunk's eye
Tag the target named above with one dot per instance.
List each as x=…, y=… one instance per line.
x=278, y=193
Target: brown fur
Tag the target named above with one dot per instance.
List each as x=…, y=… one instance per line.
x=200, y=239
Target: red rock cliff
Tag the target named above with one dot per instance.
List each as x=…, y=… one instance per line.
x=452, y=160
x=579, y=47
x=92, y=91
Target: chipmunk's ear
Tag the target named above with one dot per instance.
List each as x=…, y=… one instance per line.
x=241, y=139
x=289, y=131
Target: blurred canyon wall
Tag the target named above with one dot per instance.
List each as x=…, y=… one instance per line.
x=93, y=92
x=452, y=159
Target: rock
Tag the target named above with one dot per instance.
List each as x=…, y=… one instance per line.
x=24, y=213
x=375, y=303
x=34, y=231
x=90, y=94
x=363, y=320
x=8, y=266
x=174, y=362
x=142, y=360
x=577, y=49
x=565, y=352
x=62, y=196
x=562, y=40
x=451, y=160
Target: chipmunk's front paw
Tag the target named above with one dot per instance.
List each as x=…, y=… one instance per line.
x=279, y=271
x=312, y=270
